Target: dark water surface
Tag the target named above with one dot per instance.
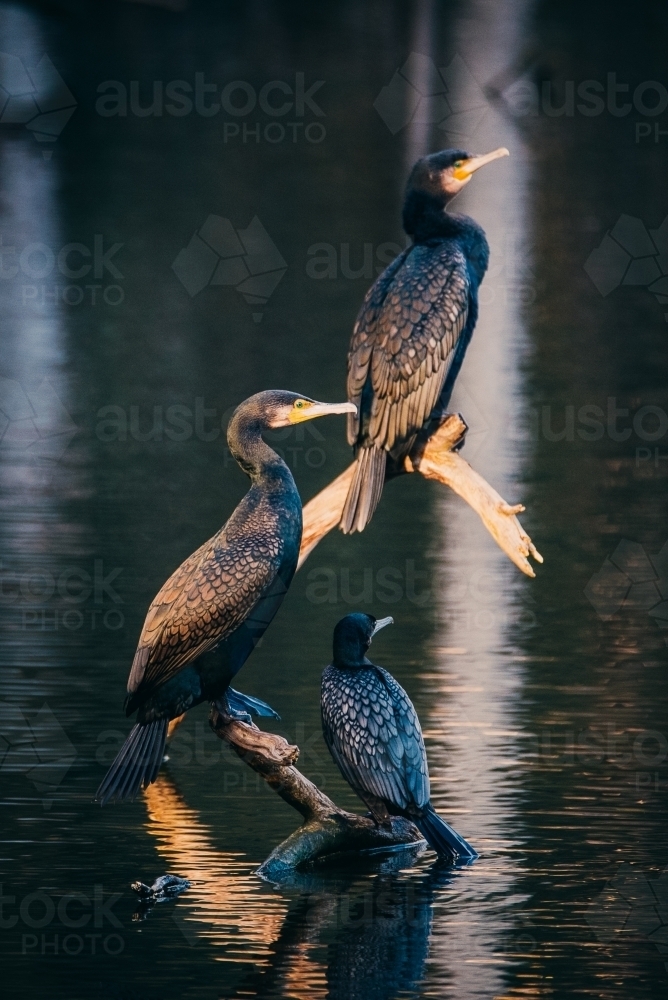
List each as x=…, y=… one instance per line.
x=544, y=702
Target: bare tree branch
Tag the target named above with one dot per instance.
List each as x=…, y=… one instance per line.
x=434, y=458
x=327, y=829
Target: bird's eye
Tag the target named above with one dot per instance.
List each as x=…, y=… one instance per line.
x=458, y=163
x=300, y=404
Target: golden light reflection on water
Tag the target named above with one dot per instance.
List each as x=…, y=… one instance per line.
x=228, y=906
x=348, y=935
x=304, y=978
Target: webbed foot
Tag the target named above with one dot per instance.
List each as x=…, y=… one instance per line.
x=240, y=707
x=229, y=714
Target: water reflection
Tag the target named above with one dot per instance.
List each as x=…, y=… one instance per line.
x=33, y=340
x=36, y=426
x=227, y=906
x=471, y=689
x=538, y=714
x=373, y=932
x=339, y=933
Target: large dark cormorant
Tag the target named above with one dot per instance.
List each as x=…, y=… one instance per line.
x=374, y=735
x=414, y=326
x=203, y=624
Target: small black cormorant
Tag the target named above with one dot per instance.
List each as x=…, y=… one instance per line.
x=414, y=326
x=374, y=735
x=205, y=621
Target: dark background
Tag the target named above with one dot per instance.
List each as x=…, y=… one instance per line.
x=544, y=707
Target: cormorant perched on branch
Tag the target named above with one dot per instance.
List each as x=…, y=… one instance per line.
x=222, y=598
x=414, y=326
x=374, y=735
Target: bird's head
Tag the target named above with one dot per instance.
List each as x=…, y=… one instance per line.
x=352, y=638
x=279, y=408
x=443, y=175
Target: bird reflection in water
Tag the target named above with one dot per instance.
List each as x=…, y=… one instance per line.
x=362, y=932
x=375, y=931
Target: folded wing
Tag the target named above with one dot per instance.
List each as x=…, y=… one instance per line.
x=201, y=604
x=404, y=342
x=374, y=735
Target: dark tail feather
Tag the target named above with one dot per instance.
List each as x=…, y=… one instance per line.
x=442, y=838
x=246, y=703
x=365, y=490
x=137, y=763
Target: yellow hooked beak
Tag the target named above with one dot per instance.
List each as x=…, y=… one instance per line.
x=470, y=166
x=309, y=410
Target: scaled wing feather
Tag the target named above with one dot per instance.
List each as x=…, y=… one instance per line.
x=374, y=735
x=202, y=603
x=404, y=342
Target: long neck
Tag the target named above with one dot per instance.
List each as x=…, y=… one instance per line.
x=255, y=457
x=425, y=217
x=350, y=655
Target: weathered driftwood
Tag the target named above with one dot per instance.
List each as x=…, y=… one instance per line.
x=434, y=458
x=327, y=829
